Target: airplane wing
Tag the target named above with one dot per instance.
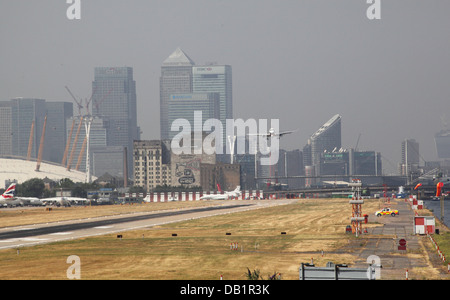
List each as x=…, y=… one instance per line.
x=286, y=132
x=27, y=198
x=259, y=134
x=52, y=199
x=77, y=199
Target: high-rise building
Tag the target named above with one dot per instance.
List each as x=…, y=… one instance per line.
x=188, y=106
x=151, y=164
x=290, y=163
x=114, y=100
x=176, y=78
x=6, y=133
x=410, y=157
x=327, y=138
x=365, y=163
x=24, y=112
x=22, y=120
x=55, y=134
x=442, y=140
x=180, y=75
x=216, y=79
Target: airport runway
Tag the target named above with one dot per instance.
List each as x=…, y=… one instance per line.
x=29, y=235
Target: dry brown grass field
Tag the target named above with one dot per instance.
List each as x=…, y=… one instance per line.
x=201, y=249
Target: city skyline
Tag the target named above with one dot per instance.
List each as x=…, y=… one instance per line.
x=293, y=60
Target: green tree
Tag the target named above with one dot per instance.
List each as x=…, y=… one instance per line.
x=31, y=188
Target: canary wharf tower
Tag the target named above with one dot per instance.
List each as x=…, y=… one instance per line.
x=114, y=101
x=180, y=75
x=176, y=78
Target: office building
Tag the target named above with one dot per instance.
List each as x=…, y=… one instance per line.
x=6, y=133
x=114, y=99
x=151, y=164
x=176, y=78
x=326, y=139
x=24, y=111
x=180, y=75
x=365, y=163
x=22, y=121
x=442, y=141
x=108, y=160
x=410, y=157
x=55, y=133
x=290, y=163
x=154, y=164
x=216, y=79
x=187, y=106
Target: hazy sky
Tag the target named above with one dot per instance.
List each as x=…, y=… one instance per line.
x=299, y=61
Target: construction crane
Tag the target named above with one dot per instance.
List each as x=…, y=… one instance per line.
x=74, y=144
x=76, y=101
x=66, y=150
x=80, y=156
x=89, y=102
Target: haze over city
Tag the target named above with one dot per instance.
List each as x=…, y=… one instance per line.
x=297, y=61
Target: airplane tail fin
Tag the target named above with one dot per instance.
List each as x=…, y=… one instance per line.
x=218, y=187
x=238, y=188
x=9, y=193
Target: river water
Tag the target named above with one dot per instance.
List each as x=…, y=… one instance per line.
x=435, y=206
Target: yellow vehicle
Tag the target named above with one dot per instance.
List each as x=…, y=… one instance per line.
x=386, y=211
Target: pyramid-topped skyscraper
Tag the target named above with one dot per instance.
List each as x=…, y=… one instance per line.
x=207, y=88
x=178, y=58
x=176, y=78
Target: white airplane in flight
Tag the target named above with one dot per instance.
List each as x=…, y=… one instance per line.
x=272, y=133
x=225, y=196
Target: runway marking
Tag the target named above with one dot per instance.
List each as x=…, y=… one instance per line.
x=23, y=240
x=61, y=233
x=103, y=227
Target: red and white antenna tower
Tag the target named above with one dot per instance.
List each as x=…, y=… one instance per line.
x=356, y=202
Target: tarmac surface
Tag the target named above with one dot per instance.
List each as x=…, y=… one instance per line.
x=30, y=235
x=381, y=245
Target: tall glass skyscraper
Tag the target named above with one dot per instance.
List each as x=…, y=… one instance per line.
x=114, y=100
x=24, y=112
x=176, y=78
x=326, y=138
x=17, y=118
x=55, y=136
x=442, y=140
x=180, y=75
x=216, y=79
x=184, y=106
